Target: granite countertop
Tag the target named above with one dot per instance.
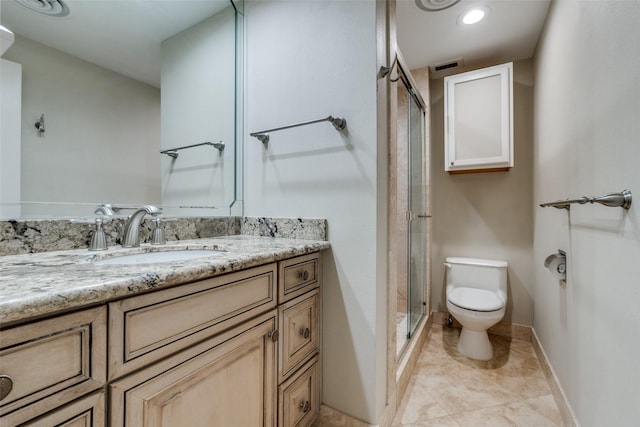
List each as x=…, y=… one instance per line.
x=35, y=285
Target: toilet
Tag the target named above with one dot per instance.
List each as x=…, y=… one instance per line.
x=477, y=297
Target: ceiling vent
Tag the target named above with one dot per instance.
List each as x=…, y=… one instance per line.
x=435, y=5
x=51, y=8
x=447, y=66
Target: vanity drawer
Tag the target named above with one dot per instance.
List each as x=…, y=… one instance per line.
x=86, y=412
x=51, y=362
x=300, y=332
x=299, y=397
x=298, y=275
x=149, y=327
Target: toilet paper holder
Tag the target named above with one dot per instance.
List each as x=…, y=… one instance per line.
x=557, y=265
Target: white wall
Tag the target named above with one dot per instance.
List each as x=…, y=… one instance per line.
x=307, y=60
x=10, y=113
x=487, y=215
x=102, y=131
x=587, y=110
x=198, y=105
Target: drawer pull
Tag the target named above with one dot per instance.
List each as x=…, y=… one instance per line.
x=305, y=332
x=274, y=335
x=304, y=275
x=6, y=385
x=305, y=406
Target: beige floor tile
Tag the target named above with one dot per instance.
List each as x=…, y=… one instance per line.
x=508, y=389
x=536, y=412
x=436, y=422
x=417, y=406
x=460, y=393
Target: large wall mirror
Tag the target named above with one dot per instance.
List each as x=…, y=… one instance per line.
x=94, y=90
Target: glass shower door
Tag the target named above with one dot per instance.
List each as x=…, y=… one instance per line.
x=410, y=208
x=417, y=227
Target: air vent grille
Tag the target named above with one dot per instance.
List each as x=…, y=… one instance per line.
x=435, y=5
x=446, y=67
x=52, y=8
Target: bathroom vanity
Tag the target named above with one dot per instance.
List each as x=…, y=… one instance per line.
x=228, y=339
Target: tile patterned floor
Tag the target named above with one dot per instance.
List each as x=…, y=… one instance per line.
x=449, y=390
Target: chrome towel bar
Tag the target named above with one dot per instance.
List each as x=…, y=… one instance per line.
x=171, y=152
x=613, y=200
x=338, y=122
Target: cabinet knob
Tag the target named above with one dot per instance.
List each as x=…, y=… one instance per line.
x=304, y=275
x=6, y=385
x=274, y=335
x=305, y=406
x=305, y=332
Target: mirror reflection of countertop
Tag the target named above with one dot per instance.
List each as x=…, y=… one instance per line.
x=35, y=285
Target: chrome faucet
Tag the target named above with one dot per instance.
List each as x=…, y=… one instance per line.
x=131, y=232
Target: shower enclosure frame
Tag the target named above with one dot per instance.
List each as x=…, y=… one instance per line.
x=410, y=205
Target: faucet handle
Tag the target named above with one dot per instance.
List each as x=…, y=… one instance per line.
x=98, y=238
x=105, y=209
x=158, y=233
x=152, y=210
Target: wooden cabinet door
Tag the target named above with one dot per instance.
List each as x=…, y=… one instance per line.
x=230, y=383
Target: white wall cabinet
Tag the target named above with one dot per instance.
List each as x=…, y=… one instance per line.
x=479, y=120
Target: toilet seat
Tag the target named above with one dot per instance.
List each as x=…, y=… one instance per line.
x=475, y=299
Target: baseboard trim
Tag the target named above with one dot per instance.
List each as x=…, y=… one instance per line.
x=568, y=416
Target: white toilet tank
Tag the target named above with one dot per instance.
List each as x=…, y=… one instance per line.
x=488, y=274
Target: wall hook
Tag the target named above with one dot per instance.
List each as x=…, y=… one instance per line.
x=40, y=123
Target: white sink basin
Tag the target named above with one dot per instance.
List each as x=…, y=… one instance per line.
x=158, y=257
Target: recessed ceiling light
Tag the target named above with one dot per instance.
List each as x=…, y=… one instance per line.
x=473, y=16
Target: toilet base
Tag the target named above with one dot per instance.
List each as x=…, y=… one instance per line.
x=475, y=344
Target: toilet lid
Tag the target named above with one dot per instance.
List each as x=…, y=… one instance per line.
x=475, y=299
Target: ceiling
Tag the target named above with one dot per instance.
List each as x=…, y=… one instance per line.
x=125, y=35
x=509, y=32
x=121, y=35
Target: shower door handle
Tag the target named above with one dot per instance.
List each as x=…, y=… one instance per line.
x=411, y=216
